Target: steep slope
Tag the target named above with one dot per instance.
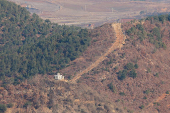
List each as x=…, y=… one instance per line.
x=117, y=44
x=30, y=45
x=44, y=94
x=136, y=76
x=111, y=75
x=39, y=47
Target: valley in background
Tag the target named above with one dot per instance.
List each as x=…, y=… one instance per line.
x=93, y=13
x=113, y=68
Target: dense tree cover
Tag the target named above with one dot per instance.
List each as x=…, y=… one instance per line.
x=29, y=45
x=129, y=70
x=111, y=87
x=2, y=108
x=161, y=17
x=129, y=66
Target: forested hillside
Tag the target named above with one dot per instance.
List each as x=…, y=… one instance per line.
x=121, y=68
x=30, y=45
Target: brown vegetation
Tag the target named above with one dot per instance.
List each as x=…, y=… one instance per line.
x=100, y=90
x=117, y=44
x=152, y=79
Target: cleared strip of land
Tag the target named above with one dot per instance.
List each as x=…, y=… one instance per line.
x=120, y=38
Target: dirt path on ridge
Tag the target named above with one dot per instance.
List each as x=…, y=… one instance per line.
x=120, y=40
x=157, y=100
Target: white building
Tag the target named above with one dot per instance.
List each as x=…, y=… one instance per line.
x=58, y=76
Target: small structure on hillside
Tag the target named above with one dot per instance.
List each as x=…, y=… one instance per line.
x=91, y=26
x=59, y=77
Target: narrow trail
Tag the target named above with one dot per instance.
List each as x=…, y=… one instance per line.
x=157, y=100
x=84, y=102
x=120, y=40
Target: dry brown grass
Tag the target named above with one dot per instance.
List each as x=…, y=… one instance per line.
x=120, y=40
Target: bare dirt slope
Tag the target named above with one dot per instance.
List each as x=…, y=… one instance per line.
x=120, y=38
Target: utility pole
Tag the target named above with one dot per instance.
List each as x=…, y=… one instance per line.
x=112, y=9
x=85, y=8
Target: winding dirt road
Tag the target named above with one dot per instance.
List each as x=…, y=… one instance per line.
x=120, y=40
